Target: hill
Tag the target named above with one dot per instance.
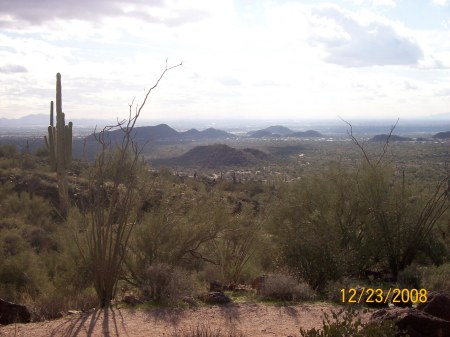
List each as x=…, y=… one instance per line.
x=282, y=131
x=219, y=155
x=442, y=135
x=394, y=138
x=165, y=134
x=262, y=134
x=279, y=130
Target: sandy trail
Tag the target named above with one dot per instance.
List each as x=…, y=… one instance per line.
x=250, y=319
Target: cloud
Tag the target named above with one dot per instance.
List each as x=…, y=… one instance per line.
x=355, y=44
x=20, y=13
x=387, y=3
x=12, y=69
x=230, y=81
x=440, y=2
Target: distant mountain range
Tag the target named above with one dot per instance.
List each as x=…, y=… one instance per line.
x=44, y=120
x=277, y=131
x=217, y=155
x=163, y=133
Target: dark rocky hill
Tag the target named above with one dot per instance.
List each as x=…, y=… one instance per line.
x=442, y=135
x=219, y=155
x=163, y=133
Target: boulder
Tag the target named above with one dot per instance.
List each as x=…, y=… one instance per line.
x=13, y=313
x=132, y=300
x=414, y=322
x=215, y=285
x=437, y=304
x=216, y=297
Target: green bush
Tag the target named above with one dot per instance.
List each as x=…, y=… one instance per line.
x=410, y=277
x=436, y=278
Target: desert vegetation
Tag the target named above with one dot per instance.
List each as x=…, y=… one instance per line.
x=123, y=229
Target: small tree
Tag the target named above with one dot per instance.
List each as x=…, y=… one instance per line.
x=114, y=191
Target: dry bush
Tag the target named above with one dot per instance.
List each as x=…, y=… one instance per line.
x=205, y=331
x=347, y=322
x=55, y=305
x=285, y=288
x=167, y=284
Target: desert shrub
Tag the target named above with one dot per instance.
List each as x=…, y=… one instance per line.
x=436, y=250
x=332, y=291
x=23, y=274
x=27, y=209
x=41, y=152
x=346, y=322
x=177, y=228
x=334, y=222
x=285, y=288
x=314, y=226
x=166, y=284
x=436, y=278
x=410, y=277
x=205, y=331
x=56, y=303
x=27, y=162
x=8, y=151
x=236, y=248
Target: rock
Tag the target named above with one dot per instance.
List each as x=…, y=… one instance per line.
x=73, y=312
x=241, y=289
x=216, y=297
x=437, y=304
x=401, y=304
x=132, y=300
x=215, y=285
x=414, y=322
x=13, y=313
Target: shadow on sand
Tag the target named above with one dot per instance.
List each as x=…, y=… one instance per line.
x=112, y=324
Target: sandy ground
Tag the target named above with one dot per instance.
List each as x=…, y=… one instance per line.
x=249, y=319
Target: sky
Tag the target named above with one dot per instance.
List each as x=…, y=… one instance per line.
x=246, y=59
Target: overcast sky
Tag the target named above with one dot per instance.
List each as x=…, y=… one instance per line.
x=241, y=58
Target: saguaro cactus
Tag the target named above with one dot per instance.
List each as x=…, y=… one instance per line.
x=59, y=145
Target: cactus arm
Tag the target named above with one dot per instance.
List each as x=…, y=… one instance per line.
x=51, y=113
x=68, y=143
x=51, y=147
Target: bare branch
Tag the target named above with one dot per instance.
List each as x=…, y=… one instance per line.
x=386, y=144
x=350, y=133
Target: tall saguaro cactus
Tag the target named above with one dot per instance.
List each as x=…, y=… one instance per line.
x=59, y=145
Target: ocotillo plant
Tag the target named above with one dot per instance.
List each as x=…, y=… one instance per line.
x=59, y=145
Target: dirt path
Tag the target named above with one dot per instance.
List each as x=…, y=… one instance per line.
x=250, y=319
